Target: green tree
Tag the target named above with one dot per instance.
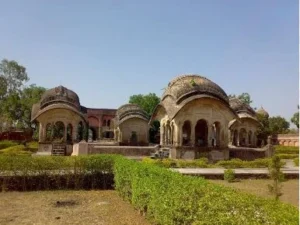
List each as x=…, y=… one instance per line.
x=244, y=97
x=295, y=118
x=13, y=76
x=278, y=125
x=263, y=130
x=277, y=176
x=146, y=102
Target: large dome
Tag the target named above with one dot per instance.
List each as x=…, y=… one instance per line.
x=60, y=94
x=240, y=107
x=185, y=86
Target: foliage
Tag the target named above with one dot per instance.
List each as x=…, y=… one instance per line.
x=238, y=163
x=14, y=149
x=56, y=172
x=296, y=161
x=277, y=176
x=244, y=97
x=153, y=131
x=167, y=197
x=146, y=102
x=6, y=144
x=229, y=175
x=295, y=118
x=263, y=130
x=278, y=125
x=287, y=156
x=178, y=163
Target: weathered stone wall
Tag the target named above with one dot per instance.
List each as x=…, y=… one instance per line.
x=246, y=154
x=286, y=139
x=137, y=125
x=122, y=150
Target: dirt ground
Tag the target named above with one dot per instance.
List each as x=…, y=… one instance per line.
x=67, y=207
x=258, y=187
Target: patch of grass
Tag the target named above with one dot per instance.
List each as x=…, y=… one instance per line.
x=179, y=163
x=16, y=149
x=90, y=207
x=259, y=187
x=6, y=144
x=287, y=156
x=296, y=161
x=286, y=149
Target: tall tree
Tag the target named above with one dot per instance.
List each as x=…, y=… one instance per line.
x=263, y=130
x=295, y=118
x=13, y=76
x=244, y=97
x=146, y=102
x=278, y=125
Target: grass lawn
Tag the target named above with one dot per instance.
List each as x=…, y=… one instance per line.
x=259, y=187
x=67, y=207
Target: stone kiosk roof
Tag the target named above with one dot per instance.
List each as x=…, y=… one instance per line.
x=128, y=111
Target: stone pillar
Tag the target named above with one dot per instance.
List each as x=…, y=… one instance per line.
x=172, y=132
x=230, y=135
x=193, y=134
x=65, y=132
x=209, y=135
x=40, y=132
x=238, y=138
x=74, y=131
x=247, y=138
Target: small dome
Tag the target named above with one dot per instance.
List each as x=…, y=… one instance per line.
x=238, y=106
x=263, y=112
x=60, y=94
x=185, y=86
x=131, y=110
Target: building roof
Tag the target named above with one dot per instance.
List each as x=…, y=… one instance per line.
x=262, y=111
x=128, y=111
x=240, y=107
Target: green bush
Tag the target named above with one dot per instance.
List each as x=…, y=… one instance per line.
x=167, y=197
x=287, y=156
x=229, y=175
x=286, y=149
x=178, y=163
x=296, y=161
x=48, y=172
x=7, y=144
x=238, y=163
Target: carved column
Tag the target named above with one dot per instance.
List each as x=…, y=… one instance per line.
x=209, y=134
x=238, y=138
x=40, y=132
x=65, y=132
x=74, y=131
x=193, y=126
x=230, y=139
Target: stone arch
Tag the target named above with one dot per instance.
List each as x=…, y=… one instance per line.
x=58, y=131
x=104, y=123
x=201, y=133
x=69, y=132
x=186, y=133
x=92, y=134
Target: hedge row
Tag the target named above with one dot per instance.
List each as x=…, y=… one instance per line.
x=25, y=173
x=296, y=161
x=286, y=149
x=167, y=197
x=203, y=163
x=287, y=156
x=6, y=144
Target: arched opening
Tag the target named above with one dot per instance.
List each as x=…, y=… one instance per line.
x=104, y=123
x=108, y=123
x=80, y=131
x=133, y=138
x=216, y=134
x=243, y=136
x=69, y=132
x=168, y=133
x=92, y=134
x=49, y=132
x=58, y=131
x=201, y=133
x=154, y=135
x=250, y=142
x=186, y=133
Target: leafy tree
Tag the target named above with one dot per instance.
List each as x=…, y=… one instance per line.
x=263, y=130
x=277, y=176
x=278, y=125
x=295, y=118
x=13, y=76
x=244, y=97
x=146, y=102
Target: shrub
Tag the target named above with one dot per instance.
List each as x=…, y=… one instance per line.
x=171, y=198
x=286, y=149
x=238, y=163
x=6, y=144
x=277, y=176
x=229, y=175
x=296, y=161
x=287, y=156
x=178, y=163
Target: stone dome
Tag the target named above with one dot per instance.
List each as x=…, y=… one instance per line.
x=60, y=94
x=131, y=110
x=263, y=112
x=185, y=86
x=240, y=107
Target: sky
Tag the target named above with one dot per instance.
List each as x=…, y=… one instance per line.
x=107, y=51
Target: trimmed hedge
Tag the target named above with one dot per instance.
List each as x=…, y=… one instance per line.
x=287, y=156
x=296, y=161
x=179, y=163
x=170, y=198
x=286, y=149
x=25, y=173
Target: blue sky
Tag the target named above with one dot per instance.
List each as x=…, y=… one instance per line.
x=108, y=50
